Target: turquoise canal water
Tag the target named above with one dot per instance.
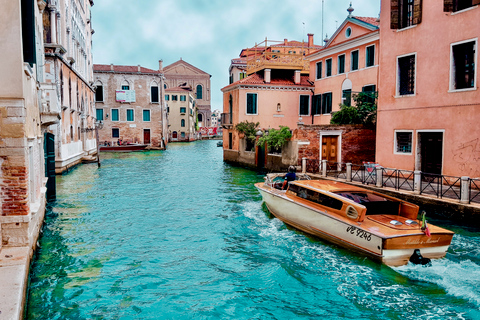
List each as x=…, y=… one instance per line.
x=178, y=234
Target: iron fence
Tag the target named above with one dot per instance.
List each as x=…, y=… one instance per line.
x=313, y=165
x=441, y=186
x=337, y=170
x=474, y=191
x=398, y=179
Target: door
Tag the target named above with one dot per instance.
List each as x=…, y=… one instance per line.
x=329, y=148
x=174, y=135
x=49, y=150
x=146, y=136
x=431, y=152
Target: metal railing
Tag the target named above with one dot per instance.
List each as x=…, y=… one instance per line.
x=441, y=186
x=337, y=170
x=474, y=186
x=398, y=179
x=227, y=119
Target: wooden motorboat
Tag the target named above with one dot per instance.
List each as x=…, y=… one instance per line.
x=124, y=147
x=374, y=224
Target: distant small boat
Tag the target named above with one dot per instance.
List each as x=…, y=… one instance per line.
x=220, y=144
x=372, y=223
x=124, y=147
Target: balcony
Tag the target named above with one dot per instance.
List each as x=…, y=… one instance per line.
x=227, y=120
x=49, y=111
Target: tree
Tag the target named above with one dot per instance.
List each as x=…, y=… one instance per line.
x=275, y=139
x=364, y=111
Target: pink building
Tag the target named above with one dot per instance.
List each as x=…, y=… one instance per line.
x=429, y=102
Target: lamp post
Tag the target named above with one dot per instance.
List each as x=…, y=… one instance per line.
x=98, y=125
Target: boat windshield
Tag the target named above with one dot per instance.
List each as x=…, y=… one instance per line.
x=315, y=196
x=375, y=204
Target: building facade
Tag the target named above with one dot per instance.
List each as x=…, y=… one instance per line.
x=129, y=101
x=69, y=78
x=182, y=114
x=348, y=64
x=181, y=73
x=429, y=100
x=23, y=124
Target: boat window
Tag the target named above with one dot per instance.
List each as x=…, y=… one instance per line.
x=316, y=197
x=374, y=203
x=362, y=197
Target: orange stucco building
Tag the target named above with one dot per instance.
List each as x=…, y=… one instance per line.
x=347, y=64
x=429, y=102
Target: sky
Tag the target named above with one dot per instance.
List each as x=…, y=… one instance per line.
x=209, y=33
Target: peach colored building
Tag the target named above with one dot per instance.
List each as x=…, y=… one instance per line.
x=347, y=64
x=130, y=102
x=429, y=100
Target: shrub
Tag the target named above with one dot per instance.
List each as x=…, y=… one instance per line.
x=275, y=139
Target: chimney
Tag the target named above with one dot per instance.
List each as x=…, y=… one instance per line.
x=111, y=67
x=310, y=39
x=139, y=70
x=285, y=41
x=160, y=65
x=267, y=75
x=296, y=78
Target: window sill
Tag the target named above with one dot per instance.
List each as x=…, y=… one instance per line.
x=405, y=96
x=462, y=90
x=403, y=153
x=406, y=28
x=155, y=102
x=464, y=10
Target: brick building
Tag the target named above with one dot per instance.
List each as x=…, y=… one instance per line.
x=130, y=102
x=182, y=113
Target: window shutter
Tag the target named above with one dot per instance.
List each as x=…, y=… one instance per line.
x=447, y=5
x=475, y=2
x=417, y=11
x=394, y=14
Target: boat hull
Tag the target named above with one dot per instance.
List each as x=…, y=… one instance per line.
x=390, y=250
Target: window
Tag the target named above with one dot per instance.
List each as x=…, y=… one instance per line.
x=99, y=94
x=199, y=92
x=183, y=110
x=348, y=32
x=167, y=97
x=130, y=115
x=154, y=94
x=182, y=134
x=99, y=114
x=406, y=75
x=174, y=97
x=327, y=103
x=403, y=142
x=347, y=97
x=319, y=70
x=341, y=64
x=125, y=87
x=182, y=123
x=243, y=75
x=183, y=98
x=115, y=133
x=251, y=103
x=304, y=105
x=328, y=62
x=317, y=104
x=370, y=56
x=463, y=66
x=457, y=5
x=405, y=13
x=370, y=91
x=231, y=79
x=146, y=115
x=354, y=62
x=114, y=114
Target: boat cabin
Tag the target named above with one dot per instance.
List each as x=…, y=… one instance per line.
x=353, y=202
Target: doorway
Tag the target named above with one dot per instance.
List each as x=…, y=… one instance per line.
x=431, y=152
x=330, y=148
x=146, y=136
x=49, y=149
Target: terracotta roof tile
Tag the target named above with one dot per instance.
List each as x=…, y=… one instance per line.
x=122, y=69
x=257, y=79
x=370, y=20
x=178, y=89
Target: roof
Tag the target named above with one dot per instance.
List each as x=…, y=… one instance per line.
x=370, y=20
x=122, y=69
x=295, y=43
x=257, y=79
x=180, y=62
x=179, y=89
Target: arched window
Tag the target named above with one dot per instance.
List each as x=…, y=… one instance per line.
x=154, y=92
x=182, y=123
x=199, y=92
x=125, y=85
x=200, y=117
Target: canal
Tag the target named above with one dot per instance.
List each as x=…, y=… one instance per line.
x=178, y=234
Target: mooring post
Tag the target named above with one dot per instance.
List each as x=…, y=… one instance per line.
x=465, y=190
x=304, y=165
x=417, y=179
x=324, y=168
x=379, y=173
x=349, y=171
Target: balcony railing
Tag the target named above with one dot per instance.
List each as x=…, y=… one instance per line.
x=277, y=60
x=227, y=120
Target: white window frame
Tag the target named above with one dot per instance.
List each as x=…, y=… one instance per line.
x=395, y=142
x=451, y=79
x=317, y=76
x=308, y=105
x=351, y=60
x=374, y=51
x=111, y=114
x=246, y=104
x=397, y=77
x=126, y=113
x=154, y=84
x=99, y=83
x=331, y=68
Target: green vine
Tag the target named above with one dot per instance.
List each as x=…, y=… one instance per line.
x=249, y=129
